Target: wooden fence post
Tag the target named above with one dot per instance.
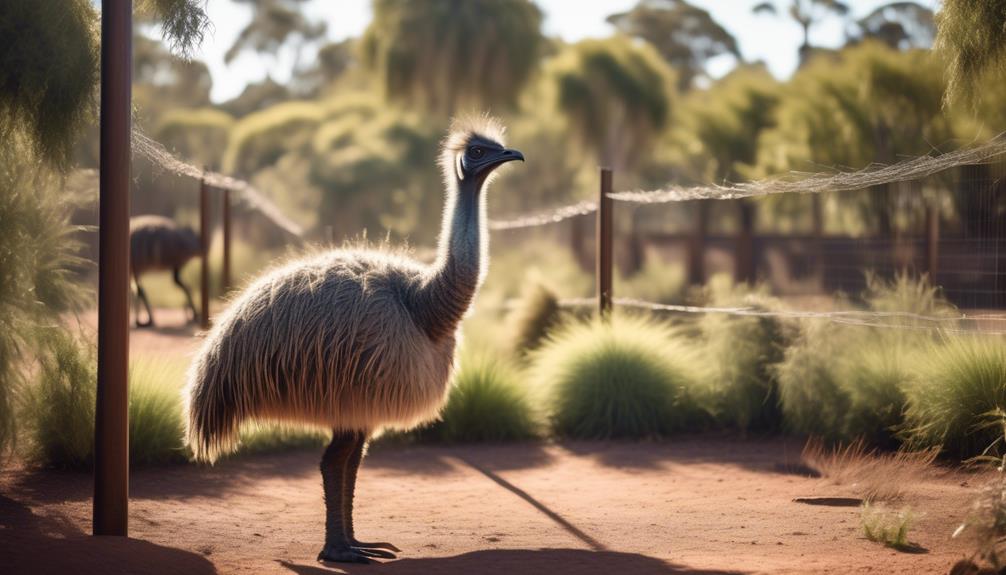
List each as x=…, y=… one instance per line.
x=204, y=236
x=744, y=254
x=697, y=244
x=604, y=244
x=932, y=241
x=110, y=515
x=225, y=278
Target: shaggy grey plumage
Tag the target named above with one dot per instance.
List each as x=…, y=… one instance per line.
x=158, y=243
x=353, y=340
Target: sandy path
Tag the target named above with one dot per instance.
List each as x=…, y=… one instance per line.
x=697, y=505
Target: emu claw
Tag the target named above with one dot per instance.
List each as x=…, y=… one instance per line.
x=376, y=553
x=341, y=554
x=375, y=545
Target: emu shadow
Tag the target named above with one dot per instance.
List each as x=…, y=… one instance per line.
x=40, y=545
x=420, y=459
x=513, y=561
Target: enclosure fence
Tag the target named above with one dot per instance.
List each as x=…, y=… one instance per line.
x=910, y=169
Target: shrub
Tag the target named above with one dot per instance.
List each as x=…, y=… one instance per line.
x=959, y=399
x=656, y=281
x=627, y=377
x=58, y=409
x=537, y=313
x=486, y=403
x=743, y=352
x=812, y=400
x=274, y=437
x=156, y=427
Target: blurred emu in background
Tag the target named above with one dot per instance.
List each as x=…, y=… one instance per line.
x=158, y=243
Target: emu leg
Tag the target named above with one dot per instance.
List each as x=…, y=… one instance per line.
x=146, y=303
x=188, y=295
x=333, y=473
x=348, y=489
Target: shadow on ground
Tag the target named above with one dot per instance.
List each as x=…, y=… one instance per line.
x=31, y=543
x=513, y=561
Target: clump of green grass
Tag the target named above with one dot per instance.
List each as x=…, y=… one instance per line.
x=625, y=377
x=58, y=410
x=656, y=281
x=887, y=526
x=743, y=353
x=57, y=413
x=487, y=403
x=812, y=399
x=537, y=314
x=258, y=438
x=959, y=400
x=156, y=430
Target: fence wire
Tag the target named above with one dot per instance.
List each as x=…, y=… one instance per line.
x=247, y=193
x=917, y=168
x=881, y=319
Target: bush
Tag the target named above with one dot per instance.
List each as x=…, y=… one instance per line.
x=486, y=403
x=537, y=314
x=628, y=377
x=656, y=281
x=743, y=352
x=959, y=399
x=59, y=408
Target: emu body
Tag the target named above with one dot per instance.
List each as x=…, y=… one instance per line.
x=352, y=340
x=158, y=243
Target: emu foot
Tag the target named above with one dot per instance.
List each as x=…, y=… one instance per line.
x=342, y=554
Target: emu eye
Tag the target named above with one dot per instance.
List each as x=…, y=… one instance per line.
x=476, y=152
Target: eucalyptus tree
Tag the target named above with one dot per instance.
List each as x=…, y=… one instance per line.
x=445, y=55
x=728, y=120
x=274, y=24
x=685, y=35
x=616, y=95
x=900, y=25
x=806, y=13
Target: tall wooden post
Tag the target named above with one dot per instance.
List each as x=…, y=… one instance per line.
x=744, y=254
x=604, y=244
x=697, y=244
x=225, y=278
x=111, y=426
x=932, y=241
x=204, y=235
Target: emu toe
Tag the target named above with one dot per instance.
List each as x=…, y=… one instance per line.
x=376, y=545
x=341, y=554
x=378, y=550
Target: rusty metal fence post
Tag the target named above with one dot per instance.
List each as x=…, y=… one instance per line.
x=204, y=236
x=604, y=244
x=110, y=515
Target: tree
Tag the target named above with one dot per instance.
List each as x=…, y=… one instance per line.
x=616, y=95
x=971, y=36
x=686, y=36
x=899, y=25
x=273, y=24
x=444, y=55
x=806, y=13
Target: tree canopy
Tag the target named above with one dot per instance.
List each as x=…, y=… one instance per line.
x=971, y=36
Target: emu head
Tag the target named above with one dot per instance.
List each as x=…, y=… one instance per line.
x=473, y=150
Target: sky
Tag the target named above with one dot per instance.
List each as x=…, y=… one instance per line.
x=773, y=40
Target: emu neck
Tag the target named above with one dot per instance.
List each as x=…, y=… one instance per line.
x=455, y=277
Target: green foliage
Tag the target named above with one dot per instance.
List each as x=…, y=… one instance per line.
x=887, y=526
x=260, y=138
x=37, y=252
x=627, y=377
x=971, y=37
x=48, y=75
x=487, y=403
x=656, y=281
x=446, y=56
x=273, y=24
x=685, y=35
x=156, y=430
x=275, y=437
x=960, y=401
x=183, y=22
x=616, y=94
x=743, y=353
x=198, y=135
x=536, y=315
x=58, y=409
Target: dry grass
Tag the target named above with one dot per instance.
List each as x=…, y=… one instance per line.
x=870, y=475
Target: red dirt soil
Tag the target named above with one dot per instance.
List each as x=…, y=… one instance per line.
x=694, y=505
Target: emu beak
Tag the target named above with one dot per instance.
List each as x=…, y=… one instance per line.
x=504, y=156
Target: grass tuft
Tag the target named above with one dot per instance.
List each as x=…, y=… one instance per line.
x=887, y=526
x=537, y=314
x=487, y=403
x=627, y=377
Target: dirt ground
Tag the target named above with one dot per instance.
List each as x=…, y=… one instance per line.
x=704, y=505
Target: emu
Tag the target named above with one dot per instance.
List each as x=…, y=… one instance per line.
x=353, y=340
x=158, y=243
